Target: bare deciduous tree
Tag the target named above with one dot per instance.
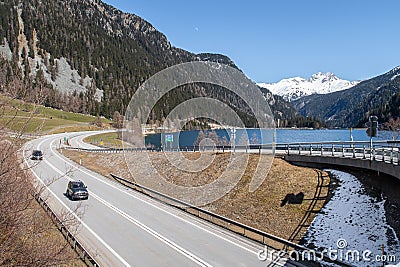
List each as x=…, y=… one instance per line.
x=97, y=122
x=27, y=236
x=392, y=127
x=118, y=120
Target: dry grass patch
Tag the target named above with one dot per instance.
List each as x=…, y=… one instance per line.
x=74, y=128
x=263, y=209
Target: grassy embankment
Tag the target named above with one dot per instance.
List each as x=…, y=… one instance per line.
x=263, y=209
x=106, y=139
x=19, y=116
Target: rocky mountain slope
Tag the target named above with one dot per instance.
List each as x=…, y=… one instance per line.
x=97, y=55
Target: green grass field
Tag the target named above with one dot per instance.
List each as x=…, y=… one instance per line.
x=19, y=116
x=107, y=139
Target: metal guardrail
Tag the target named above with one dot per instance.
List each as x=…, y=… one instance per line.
x=276, y=146
x=72, y=241
x=226, y=223
x=387, y=151
x=248, y=148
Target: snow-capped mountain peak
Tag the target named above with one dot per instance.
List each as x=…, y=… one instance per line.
x=297, y=87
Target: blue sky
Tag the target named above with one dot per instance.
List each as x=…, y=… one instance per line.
x=272, y=40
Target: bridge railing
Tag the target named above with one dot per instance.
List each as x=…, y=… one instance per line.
x=384, y=151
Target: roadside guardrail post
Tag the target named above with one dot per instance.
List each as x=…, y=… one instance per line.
x=391, y=155
x=373, y=152
x=398, y=160
x=333, y=150
x=363, y=151
x=342, y=150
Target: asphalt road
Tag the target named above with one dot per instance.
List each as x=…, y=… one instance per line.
x=121, y=227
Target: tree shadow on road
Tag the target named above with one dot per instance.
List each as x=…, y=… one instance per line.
x=299, y=198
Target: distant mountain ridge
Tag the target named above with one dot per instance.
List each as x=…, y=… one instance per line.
x=352, y=107
x=320, y=83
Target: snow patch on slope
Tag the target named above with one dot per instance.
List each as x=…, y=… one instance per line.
x=355, y=216
x=298, y=87
x=396, y=72
x=396, y=69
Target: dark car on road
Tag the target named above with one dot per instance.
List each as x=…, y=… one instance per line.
x=37, y=155
x=77, y=190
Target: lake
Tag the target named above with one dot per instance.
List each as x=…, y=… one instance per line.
x=188, y=138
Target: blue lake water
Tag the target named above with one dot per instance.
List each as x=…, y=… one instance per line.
x=292, y=136
x=255, y=136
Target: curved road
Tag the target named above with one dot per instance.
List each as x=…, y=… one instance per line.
x=121, y=227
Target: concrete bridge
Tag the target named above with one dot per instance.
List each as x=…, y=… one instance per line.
x=382, y=156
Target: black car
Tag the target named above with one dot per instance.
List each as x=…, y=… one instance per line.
x=37, y=155
x=77, y=190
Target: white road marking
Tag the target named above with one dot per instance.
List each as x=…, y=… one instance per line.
x=160, y=237
x=157, y=235
x=76, y=217
x=159, y=208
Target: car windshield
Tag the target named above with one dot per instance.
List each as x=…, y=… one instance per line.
x=37, y=153
x=78, y=185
